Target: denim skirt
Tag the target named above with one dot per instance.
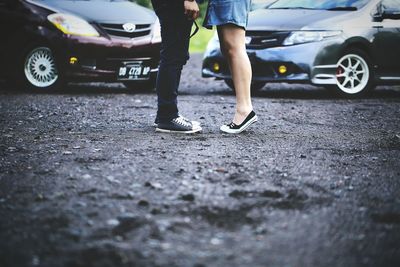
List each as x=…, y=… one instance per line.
x=220, y=12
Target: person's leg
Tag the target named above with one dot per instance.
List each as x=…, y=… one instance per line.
x=175, y=32
x=232, y=39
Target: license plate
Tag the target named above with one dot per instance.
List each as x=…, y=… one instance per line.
x=134, y=71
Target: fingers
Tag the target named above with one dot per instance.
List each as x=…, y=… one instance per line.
x=192, y=14
x=196, y=14
x=192, y=10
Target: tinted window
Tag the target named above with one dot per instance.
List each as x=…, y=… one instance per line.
x=321, y=4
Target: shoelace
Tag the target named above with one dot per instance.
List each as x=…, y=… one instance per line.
x=184, y=118
x=182, y=121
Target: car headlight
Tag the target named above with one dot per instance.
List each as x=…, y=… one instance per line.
x=156, y=32
x=70, y=24
x=301, y=37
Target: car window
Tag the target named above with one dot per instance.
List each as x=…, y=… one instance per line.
x=321, y=4
x=391, y=4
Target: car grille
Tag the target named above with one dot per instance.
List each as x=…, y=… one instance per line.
x=265, y=39
x=117, y=30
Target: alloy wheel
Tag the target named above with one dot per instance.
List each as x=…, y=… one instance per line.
x=352, y=74
x=40, y=68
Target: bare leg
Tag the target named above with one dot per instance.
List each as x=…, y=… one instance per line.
x=232, y=40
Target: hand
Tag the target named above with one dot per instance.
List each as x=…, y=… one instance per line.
x=192, y=9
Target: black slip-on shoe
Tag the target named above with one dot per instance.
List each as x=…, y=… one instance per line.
x=178, y=125
x=232, y=128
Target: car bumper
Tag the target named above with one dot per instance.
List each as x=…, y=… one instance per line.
x=99, y=59
x=304, y=63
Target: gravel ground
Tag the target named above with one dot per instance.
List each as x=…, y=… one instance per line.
x=85, y=181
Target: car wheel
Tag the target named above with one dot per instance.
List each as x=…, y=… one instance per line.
x=255, y=86
x=141, y=86
x=354, y=73
x=40, y=71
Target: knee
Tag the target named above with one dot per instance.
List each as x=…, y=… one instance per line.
x=174, y=58
x=231, y=50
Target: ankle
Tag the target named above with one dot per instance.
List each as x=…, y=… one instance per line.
x=244, y=111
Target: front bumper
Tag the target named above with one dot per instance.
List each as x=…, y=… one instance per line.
x=304, y=63
x=99, y=58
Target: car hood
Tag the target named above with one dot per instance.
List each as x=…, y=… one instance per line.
x=294, y=19
x=101, y=11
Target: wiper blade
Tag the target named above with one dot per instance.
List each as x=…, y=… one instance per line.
x=343, y=8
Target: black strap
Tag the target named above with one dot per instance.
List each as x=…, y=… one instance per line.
x=195, y=30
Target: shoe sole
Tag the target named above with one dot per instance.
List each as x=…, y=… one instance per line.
x=194, y=124
x=180, y=132
x=247, y=125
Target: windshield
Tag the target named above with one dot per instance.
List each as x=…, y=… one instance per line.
x=319, y=4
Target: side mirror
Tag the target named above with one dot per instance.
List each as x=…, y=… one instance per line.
x=391, y=13
x=377, y=17
x=376, y=14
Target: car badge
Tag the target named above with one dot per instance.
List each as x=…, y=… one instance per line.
x=129, y=27
x=248, y=40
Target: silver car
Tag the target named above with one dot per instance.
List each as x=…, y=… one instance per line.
x=347, y=45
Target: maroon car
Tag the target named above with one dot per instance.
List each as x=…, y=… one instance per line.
x=48, y=42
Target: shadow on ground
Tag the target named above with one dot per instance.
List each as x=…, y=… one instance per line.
x=289, y=91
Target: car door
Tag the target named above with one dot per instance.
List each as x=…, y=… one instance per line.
x=12, y=20
x=5, y=12
x=387, y=40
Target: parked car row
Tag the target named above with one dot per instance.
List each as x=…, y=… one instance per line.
x=47, y=42
x=348, y=45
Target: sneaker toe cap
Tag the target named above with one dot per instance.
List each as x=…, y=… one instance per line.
x=224, y=128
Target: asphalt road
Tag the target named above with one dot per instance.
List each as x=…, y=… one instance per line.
x=85, y=181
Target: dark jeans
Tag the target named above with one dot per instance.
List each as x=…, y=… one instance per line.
x=175, y=33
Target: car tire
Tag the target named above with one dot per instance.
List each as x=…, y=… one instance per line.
x=146, y=86
x=38, y=70
x=255, y=86
x=354, y=74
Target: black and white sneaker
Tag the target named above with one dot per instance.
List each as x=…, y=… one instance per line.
x=232, y=128
x=178, y=125
x=195, y=123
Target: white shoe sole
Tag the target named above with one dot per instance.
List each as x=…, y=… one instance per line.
x=195, y=124
x=226, y=129
x=195, y=130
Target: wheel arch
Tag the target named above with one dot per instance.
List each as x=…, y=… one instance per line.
x=27, y=40
x=360, y=44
